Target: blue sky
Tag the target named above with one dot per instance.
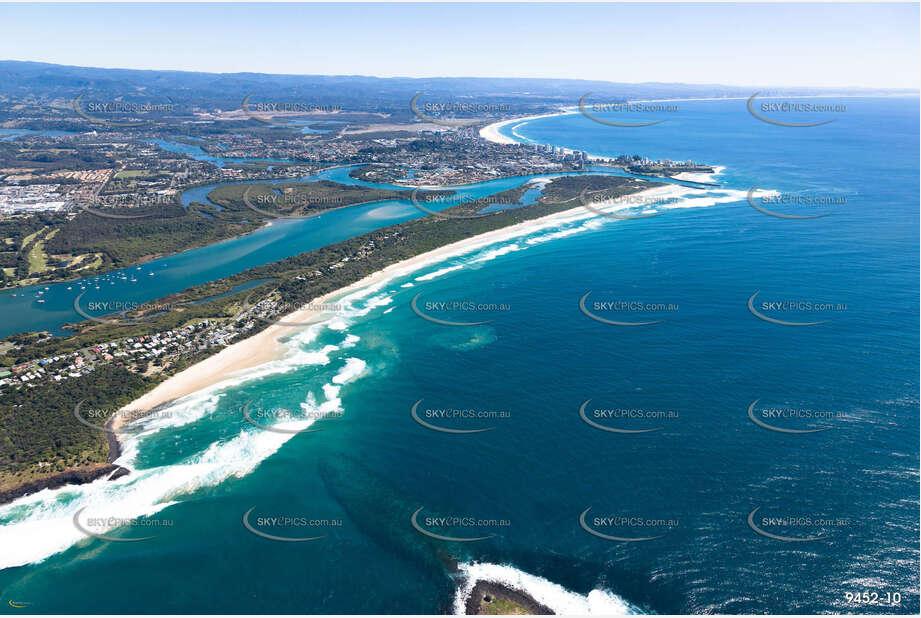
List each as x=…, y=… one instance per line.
x=875, y=45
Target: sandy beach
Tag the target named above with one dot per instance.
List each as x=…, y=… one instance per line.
x=491, y=131
x=265, y=346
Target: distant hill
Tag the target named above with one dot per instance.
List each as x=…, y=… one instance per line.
x=45, y=82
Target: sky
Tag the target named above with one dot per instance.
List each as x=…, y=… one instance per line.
x=822, y=45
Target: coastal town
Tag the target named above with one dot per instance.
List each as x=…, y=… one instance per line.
x=85, y=207
x=145, y=170
x=145, y=354
x=461, y=308
x=132, y=171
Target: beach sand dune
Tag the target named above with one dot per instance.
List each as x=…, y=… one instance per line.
x=265, y=346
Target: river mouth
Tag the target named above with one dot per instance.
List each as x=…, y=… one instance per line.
x=48, y=307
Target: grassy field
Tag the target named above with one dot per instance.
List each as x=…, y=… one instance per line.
x=135, y=174
x=503, y=607
x=38, y=259
x=96, y=263
x=27, y=239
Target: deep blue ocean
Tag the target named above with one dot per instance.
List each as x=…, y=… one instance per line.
x=50, y=306
x=723, y=499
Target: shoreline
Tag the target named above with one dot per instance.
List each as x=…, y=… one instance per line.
x=159, y=256
x=485, y=593
x=491, y=131
x=265, y=346
x=56, y=480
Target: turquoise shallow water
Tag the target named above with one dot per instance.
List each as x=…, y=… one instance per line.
x=160, y=277
x=524, y=375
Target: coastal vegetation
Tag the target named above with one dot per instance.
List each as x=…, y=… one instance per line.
x=39, y=435
x=287, y=283
x=302, y=199
x=163, y=229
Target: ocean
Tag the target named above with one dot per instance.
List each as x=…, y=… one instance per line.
x=51, y=306
x=709, y=410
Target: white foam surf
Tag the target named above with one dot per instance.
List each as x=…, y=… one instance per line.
x=42, y=524
x=438, y=273
x=494, y=253
x=598, y=602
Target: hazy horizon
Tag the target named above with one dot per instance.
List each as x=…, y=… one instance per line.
x=808, y=45
x=511, y=77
